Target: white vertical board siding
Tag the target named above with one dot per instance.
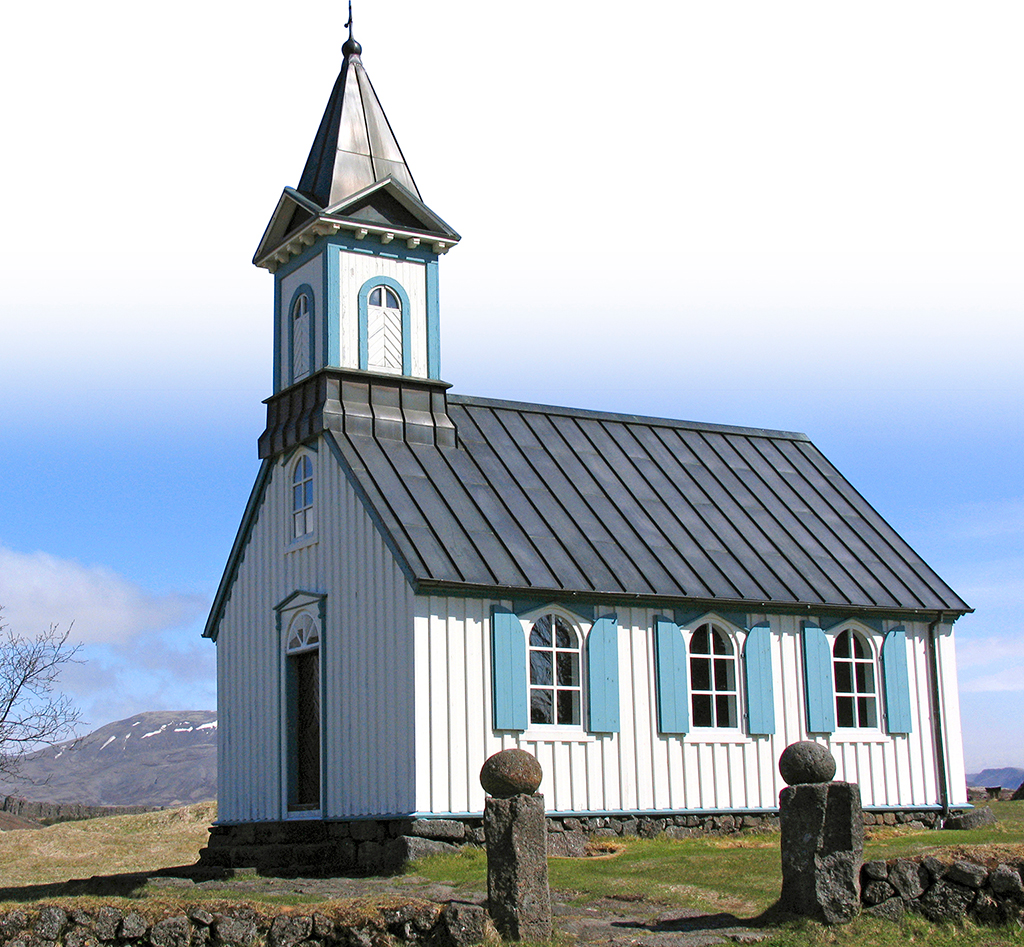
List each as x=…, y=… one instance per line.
x=354, y=269
x=366, y=658
x=950, y=691
x=638, y=768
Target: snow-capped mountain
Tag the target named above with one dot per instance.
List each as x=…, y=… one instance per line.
x=161, y=758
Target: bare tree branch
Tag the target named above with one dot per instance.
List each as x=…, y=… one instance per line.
x=31, y=711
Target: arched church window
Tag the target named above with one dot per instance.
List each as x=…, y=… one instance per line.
x=302, y=497
x=302, y=656
x=555, y=658
x=301, y=337
x=713, y=678
x=854, y=668
x=384, y=330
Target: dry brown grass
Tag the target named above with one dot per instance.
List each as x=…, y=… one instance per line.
x=116, y=845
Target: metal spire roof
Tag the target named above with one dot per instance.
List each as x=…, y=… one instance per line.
x=355, y=146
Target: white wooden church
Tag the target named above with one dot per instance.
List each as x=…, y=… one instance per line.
x=654, y=608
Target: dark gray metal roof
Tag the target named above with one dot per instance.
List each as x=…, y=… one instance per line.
x=539, y=500
x=354, y=146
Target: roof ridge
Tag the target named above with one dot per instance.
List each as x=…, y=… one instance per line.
x=500, y=403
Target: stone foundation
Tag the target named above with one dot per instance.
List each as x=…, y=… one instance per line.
x=378, y=846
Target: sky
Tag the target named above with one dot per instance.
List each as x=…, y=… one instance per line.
x=792, y=215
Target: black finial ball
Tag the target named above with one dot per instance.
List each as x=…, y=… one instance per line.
x=806, y=762
x=351, y=48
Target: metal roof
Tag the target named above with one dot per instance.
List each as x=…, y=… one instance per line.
x=538, y=500
x=354, y=146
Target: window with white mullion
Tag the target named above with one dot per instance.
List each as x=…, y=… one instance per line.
x=853, y=666
x=555, y=679
x=713, y=691
x=302, y=497
x=300, y=337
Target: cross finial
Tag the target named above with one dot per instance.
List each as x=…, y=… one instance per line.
x=351, y=47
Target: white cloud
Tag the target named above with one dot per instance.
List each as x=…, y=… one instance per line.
x=38, y=589
x=1007, y=678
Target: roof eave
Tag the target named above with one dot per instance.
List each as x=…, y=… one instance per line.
x=643, y=599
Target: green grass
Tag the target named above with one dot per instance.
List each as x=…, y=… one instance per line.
x=741, y=875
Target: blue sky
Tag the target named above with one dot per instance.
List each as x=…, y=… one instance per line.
x=792, y=215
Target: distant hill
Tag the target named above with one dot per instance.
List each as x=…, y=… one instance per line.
x=153, y=759
x=1009, y=777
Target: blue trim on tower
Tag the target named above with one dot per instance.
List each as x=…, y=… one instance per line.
x=364, y=349
x=433, y=321
x=396, y=250
x=278, y=367
x=332, y=306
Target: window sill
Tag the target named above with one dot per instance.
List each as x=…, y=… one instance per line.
x=715, y=735
x=297, y=814
x=859, y=736
x=558, y=735
x=309, y=539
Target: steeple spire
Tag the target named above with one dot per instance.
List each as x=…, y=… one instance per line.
x=354, y=146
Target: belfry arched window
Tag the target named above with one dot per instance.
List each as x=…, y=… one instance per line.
x=301, y=336
x=713, y=690
x=302, y=497
x=384, y=330
x=556, y=691
x=853, y=665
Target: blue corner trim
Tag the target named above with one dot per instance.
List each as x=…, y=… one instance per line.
x=364, y=294
x=757, y=667
x=278, y=331
x=433, y=321
x=821, y=705
x=508, y=671
x=898, y=716
x=311, y=296
x=671, y=677
x=237, y=554
x=602, y=648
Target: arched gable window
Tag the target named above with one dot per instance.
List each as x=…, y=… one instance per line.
x=301, y=334
x=302, y=497
x=713, y=689
x=384, y=331
x=853, y=665
x=556, y=692
x=302, y=656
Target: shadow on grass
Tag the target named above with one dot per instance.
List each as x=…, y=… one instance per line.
x=692, y=921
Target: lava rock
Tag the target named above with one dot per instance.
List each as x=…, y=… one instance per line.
x=909, y=878
x=511, y=773
x=1005, y=881
x=806, y=762
x=971, y=819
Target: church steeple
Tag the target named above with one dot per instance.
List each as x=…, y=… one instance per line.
x=355, y=252
x=354, y=146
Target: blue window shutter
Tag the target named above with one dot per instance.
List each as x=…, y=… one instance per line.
x=508, y=670
x=671, y=678
x=821, y=705
x=757, y=667
x=603, y=676
x=897, y=682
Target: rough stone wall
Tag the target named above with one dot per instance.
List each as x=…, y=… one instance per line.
x=451, y=925
x=373, y=846
x=50, y=812
x=942, y=892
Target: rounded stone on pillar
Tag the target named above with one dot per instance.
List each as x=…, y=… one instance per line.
x=806, y=762
x=511, y=773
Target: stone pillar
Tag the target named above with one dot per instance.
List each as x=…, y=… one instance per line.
x=822, y=836
x=518, y=896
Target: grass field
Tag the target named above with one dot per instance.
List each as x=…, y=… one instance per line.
x=739, y=874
